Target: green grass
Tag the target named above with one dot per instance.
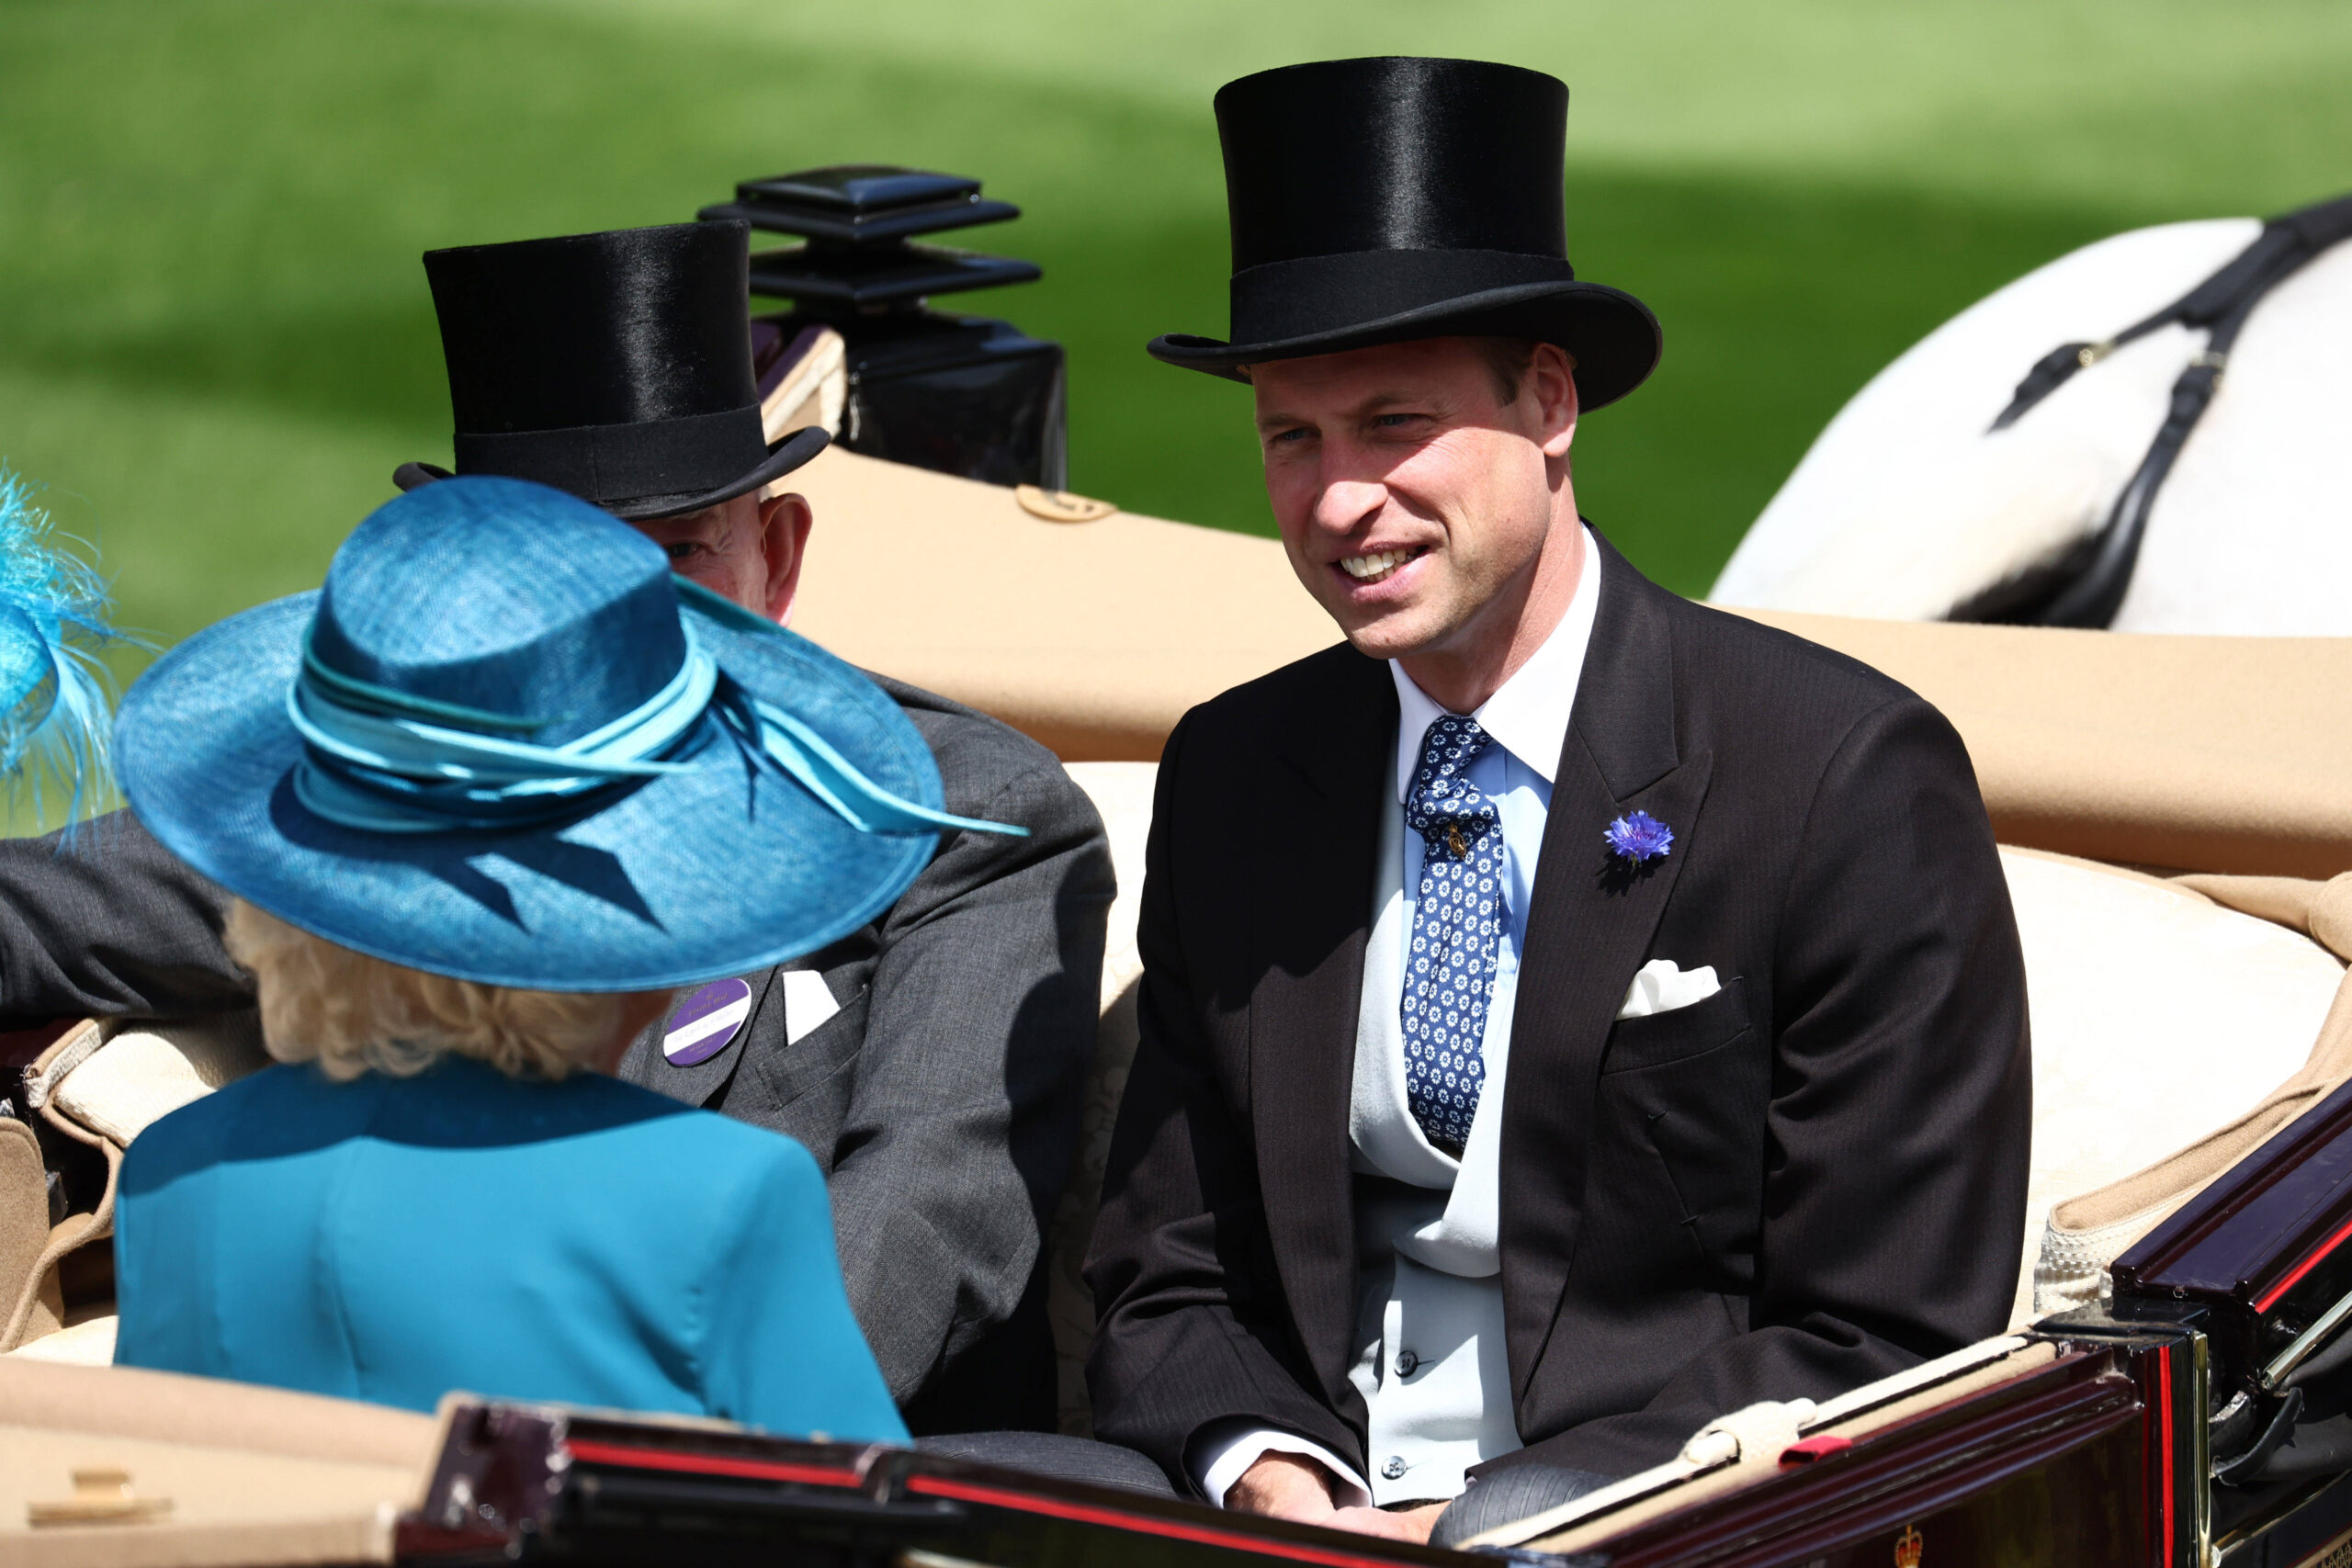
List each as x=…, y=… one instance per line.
x=215, y=342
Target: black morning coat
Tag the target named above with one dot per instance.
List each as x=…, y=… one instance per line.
x=1809, y=1180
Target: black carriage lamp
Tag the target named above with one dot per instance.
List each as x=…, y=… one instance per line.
x=968, y=395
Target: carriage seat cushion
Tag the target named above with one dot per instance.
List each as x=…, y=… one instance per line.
x=2157, y=1016
x=127, y=1076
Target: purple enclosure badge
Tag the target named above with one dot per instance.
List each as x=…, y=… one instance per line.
x=710, y=1018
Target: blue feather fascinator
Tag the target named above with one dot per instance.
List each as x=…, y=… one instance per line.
x=56, y=696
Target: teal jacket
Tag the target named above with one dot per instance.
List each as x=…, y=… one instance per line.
x=587, y=1241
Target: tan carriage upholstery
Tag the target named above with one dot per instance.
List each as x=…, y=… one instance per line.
x=29, y=1293
x=209, y=1472
x=2194, y=753
x=1094, y=636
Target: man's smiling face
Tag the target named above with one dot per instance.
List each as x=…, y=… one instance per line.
x=1414, y=503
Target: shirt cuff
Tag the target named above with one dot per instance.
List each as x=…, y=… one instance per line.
x=1228, y=1448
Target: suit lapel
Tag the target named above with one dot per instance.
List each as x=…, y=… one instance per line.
x=1589, y=929
x=1311, y=906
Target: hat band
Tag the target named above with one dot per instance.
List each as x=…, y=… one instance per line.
x=622, y=462
x=389, y=762
x=384, y=761
x=1306, y=295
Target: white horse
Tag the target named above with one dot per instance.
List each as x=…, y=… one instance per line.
x=1907, y=507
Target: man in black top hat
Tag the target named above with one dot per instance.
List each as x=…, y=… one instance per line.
x=1569, y=1013
x=932, y=1061
x=615, y=365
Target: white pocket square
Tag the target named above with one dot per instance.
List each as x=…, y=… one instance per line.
x=1660, y=986
x=807, y=1003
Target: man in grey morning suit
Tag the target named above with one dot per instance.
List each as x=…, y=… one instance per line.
x=932, y=1060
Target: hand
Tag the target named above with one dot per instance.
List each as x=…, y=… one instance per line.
x=1403, y=1523
x=1284, y=1486
x=1289, y=1486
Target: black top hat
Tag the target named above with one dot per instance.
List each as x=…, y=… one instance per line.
x=615, y=365
x=1378, y=201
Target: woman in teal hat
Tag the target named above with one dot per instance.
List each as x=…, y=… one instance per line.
x=485, y=801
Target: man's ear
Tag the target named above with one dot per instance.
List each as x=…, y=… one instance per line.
x=784, y=520
x=1552, y=377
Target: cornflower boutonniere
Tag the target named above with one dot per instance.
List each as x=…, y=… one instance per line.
x=1638, y=837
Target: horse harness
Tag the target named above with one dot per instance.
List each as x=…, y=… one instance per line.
x=2086, y=586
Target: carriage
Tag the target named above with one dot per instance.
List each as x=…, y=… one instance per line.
x=2176, y=817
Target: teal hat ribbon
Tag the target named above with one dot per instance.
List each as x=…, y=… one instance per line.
x=390, y=761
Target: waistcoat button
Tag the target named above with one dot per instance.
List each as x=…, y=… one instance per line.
x=1407, y=1363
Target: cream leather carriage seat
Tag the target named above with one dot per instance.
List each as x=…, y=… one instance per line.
x=2165, y=1022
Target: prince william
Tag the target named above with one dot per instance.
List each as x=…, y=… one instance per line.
x=1569, y=1013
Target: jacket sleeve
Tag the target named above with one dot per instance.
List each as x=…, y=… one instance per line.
x=1192, y=1333
x=1901, y=1102
x=780, y=1348
x=981, y=1022
x=110, y=924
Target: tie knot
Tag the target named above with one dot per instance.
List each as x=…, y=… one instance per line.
x=1448, y=748
x=1450, y=812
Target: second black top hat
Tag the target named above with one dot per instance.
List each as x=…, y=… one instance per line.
x=615, y=365
x=1379, y=200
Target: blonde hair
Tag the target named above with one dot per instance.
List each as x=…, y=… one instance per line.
x=354, y=1014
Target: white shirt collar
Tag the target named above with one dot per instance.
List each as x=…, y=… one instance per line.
x=1528, y=715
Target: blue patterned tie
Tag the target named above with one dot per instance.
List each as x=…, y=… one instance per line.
x=1457, y=926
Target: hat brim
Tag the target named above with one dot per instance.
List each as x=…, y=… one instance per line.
x=785, y=455
x=1615, y=339
x=719, y=870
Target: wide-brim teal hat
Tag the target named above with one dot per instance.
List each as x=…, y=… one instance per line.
x=504, y=743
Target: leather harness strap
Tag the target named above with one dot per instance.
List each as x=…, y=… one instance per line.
x=2087, y=588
